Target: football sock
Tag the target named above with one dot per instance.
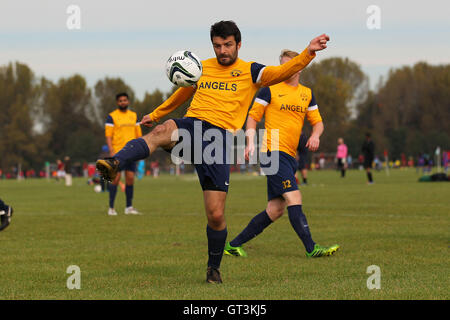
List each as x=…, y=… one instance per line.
x=129, y=194
x=342, y=173
x=305, y=180
x=134, y=150
x=255, y=227
x=112, y=194
x=216, y=244
x=300, y=225
x=369, y=176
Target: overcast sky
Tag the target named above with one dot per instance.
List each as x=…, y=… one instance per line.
x=132, y=39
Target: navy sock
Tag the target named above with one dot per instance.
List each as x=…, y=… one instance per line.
x=255, y=227
x=129, y=194
x=369, y=176
x=112, y=195
x=216, y=244
x=300, y=225
x=134, y=150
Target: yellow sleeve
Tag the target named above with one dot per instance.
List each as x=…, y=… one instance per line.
x=275, y=74
x=138, y=131
x=257, y=111
x=314, y=116
x=109, y=130
x=174, y=101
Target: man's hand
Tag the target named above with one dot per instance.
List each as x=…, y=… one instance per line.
x=249, y=150
x=318, y=43
x=313, y=143
x=147, y=121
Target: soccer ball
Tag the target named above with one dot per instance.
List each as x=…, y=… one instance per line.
x=98, y=188
x=184, y=68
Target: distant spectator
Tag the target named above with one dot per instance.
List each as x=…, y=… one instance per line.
x=349, y=161
x=60, y=173
x=361, y=161
x=420, y=163
x=368, y=150
x=68, y=171
x=377, y=163
x=85, y=169
x=155, y=169
x=140, y=170
x=403, y=160
x=341, y=156
x=446, y=160
x=427, y=163
x=322, y=161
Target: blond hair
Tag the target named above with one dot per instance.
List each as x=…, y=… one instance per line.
x=288, y=53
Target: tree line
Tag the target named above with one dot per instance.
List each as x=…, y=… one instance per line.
x=42, y=120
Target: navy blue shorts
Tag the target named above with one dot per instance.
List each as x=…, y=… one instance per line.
x=213, y=175
x=130, y=166
x=302, y=160
x=284, y=179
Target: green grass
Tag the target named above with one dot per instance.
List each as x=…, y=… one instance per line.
x=398, y=224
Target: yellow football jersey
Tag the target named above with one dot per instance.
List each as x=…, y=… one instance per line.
x=223, y=94
x=122, y=127
x=285, y=107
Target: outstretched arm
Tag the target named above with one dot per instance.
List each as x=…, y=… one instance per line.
x=174, y=101
x=274, y=74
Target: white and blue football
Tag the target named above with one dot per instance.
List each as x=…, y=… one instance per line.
x=184, y=68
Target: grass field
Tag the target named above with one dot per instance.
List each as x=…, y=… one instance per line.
x=398, y=224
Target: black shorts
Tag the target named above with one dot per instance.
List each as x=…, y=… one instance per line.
x=213, y=175
x=341, y=163
x=368, y=163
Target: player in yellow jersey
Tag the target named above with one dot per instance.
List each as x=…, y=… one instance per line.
x=221, y=99
x=285, y=106
x=122, y=126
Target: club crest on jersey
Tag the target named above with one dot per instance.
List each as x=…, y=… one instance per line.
x=236, y=73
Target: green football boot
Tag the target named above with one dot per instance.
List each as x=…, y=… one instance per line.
x=234, y=251
x=322, y=251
